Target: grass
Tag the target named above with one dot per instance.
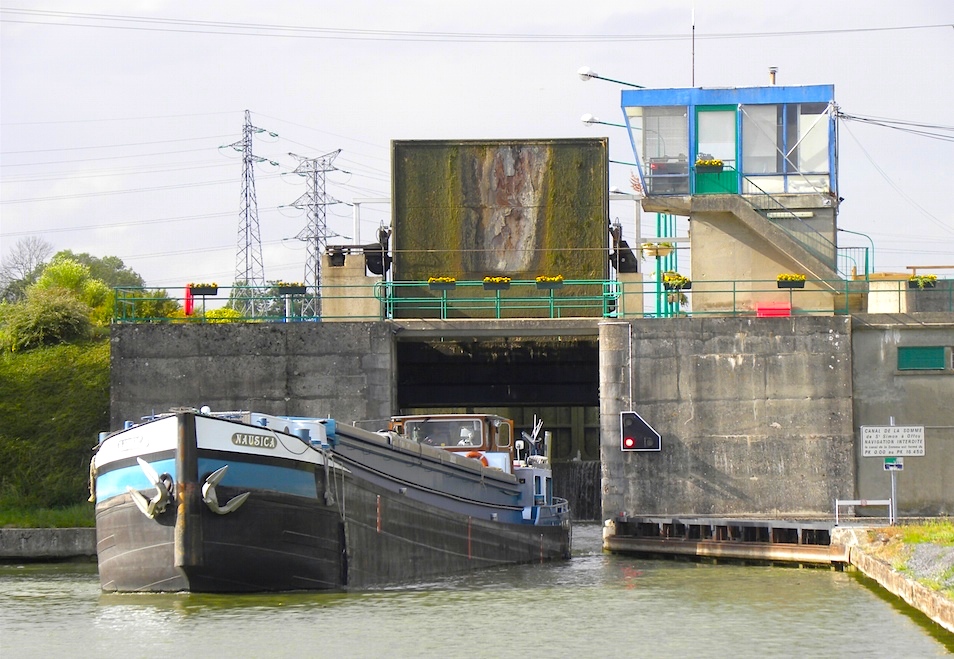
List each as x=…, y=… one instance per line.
x=938, y=532
x=897, y=547
x=79, y=515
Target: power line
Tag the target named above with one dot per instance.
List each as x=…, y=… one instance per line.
x=89, y=159
x=933, y=131
x=113, y=146
x=897, y=189
x=113, y=119
x=112, y=173
x=120, y=225
x=126, y=22
x=109, y=193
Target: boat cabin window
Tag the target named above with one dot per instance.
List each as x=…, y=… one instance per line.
x=503, y=434
x=445, y=432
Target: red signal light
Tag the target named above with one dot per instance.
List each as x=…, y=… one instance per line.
x=637, y=435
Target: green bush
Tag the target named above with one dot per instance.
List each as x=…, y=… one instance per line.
x=223, y=315
x=54, y=401
x=47, y=316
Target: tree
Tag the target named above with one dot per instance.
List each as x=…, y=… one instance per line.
x=75, y=277
x=109, y=269
x=21, y=267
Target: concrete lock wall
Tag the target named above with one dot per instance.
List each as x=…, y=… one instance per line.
x=755, y=415
x=340, y=370
x=913, y=398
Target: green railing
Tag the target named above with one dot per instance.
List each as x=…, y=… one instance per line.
x=518, y=299
x=854, y=262
x=524, y=299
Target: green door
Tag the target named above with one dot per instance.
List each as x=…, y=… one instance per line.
x=716, y=150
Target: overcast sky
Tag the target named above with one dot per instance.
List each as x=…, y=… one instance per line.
x=113, y=112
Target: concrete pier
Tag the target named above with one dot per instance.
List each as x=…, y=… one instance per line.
x=47, y=544
x=764, y=540
x=808, y=542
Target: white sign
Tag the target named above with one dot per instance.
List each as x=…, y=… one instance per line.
x=882, y=441
x=894, y=464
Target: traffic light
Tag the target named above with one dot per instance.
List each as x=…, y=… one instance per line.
x=636, y=434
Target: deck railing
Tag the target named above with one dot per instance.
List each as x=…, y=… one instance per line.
x=524, y=299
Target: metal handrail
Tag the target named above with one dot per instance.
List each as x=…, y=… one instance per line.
x=807, y=236
x=576, y=299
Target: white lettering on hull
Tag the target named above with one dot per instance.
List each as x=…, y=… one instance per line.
x=254, y=441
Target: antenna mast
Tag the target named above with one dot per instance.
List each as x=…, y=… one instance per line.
x=315, y=234
x=693, y=44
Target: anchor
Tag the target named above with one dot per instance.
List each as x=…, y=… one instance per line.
x=212, y=500
x=163, y=484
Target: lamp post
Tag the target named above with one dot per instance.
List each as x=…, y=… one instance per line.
x=586, y=74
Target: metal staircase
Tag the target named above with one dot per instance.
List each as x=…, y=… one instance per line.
x=813, y=252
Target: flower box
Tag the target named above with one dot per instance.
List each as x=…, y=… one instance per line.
x=291, y=290
x=791, y=283
x=496, y=283
x=204, y=290
x=673, y=281
x=922, y=284
x=549, y=285
x=708, y=169
x=659, y=250
x=676, y=286
x=442, y=285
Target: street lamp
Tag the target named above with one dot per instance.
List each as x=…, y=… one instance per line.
x=586, y=73
x=589, y=120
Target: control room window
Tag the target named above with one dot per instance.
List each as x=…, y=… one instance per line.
x=663, y=135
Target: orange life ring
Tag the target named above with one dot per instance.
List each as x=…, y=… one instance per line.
x=477, y=455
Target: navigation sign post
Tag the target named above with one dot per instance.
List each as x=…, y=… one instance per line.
x=894, y=464
x=892, y=443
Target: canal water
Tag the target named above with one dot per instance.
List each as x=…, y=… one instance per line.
x=593, y=605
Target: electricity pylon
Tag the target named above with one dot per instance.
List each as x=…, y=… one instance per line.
x=249, y=287
x=315, y=234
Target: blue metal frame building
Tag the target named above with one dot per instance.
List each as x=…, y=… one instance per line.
x=784, y=139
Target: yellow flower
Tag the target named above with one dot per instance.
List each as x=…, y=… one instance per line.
x=675, y=280
x=441, y=280
x=923, y=280
x=497, y=280
x=549, y=278
x=785, y=276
